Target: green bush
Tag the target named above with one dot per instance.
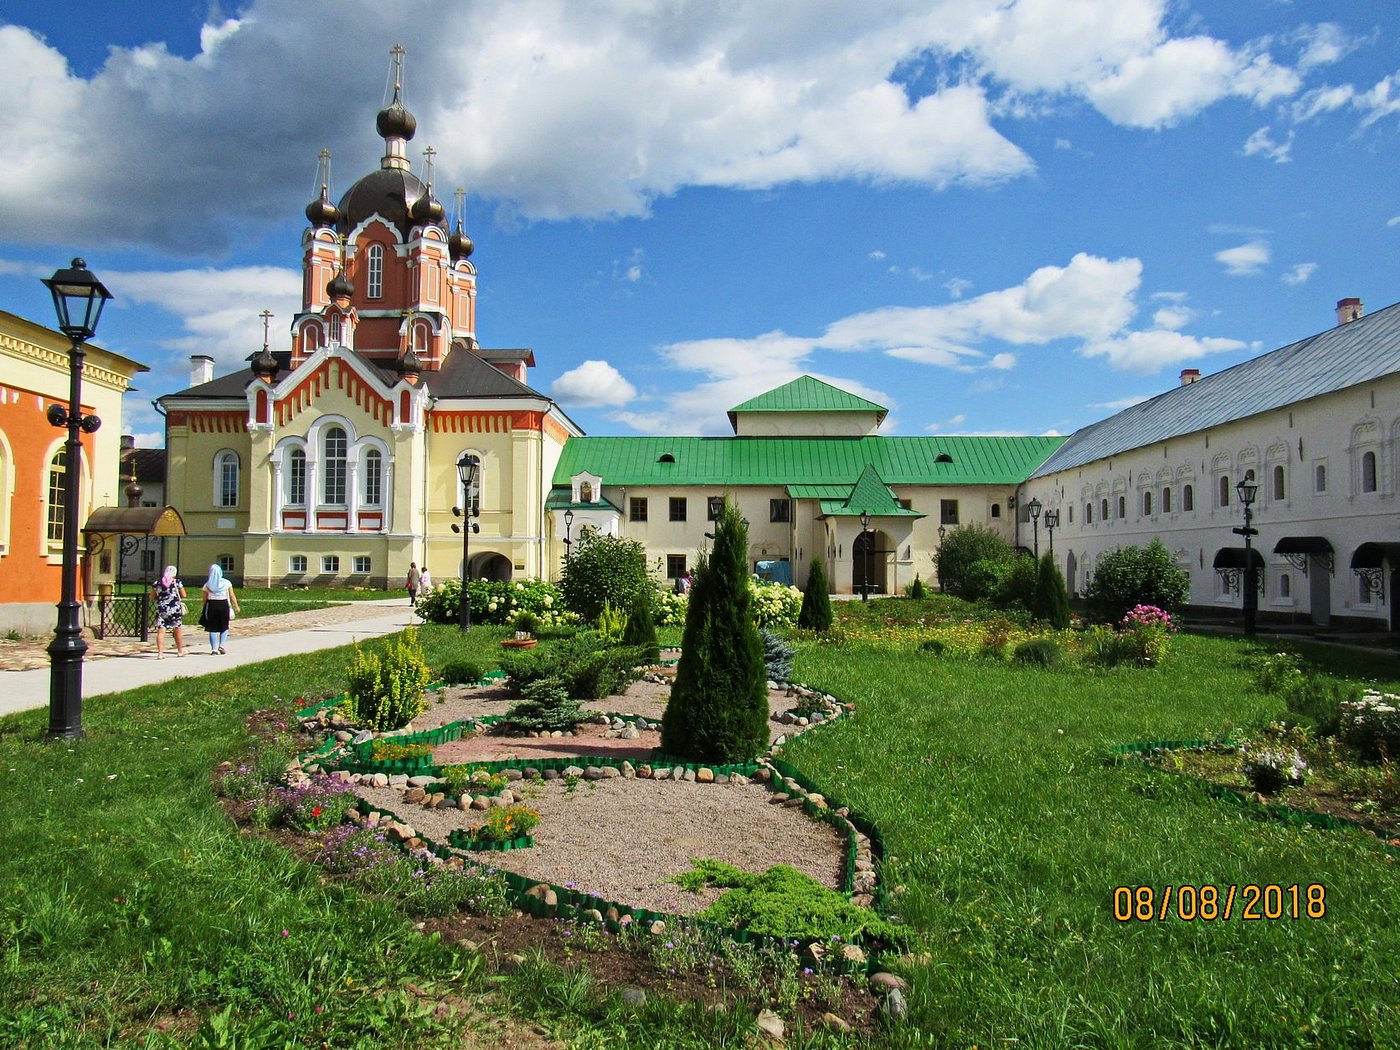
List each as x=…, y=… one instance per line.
x=936, y=646
x=1105, y=647
x=461, y=672
x=985, y=580
x=603, y=570
x=1017, y=588
x=588, y=669
x=1132, y=576
x=640, y=632
x=815, y=614
x=497, y=602
x=1318, y=702
x=386, y=688
x=917, y=591
x=612, y=622
x=1038, y=652
x=962, y=548
x=718, y=710
x=1050, y=602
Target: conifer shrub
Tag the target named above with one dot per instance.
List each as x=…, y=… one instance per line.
x=545, y=706
x=1050, y=602
x=917, y=590
x=386, y=687
x=1038, y=652
x=777, y=656
x=640, y=632
x=718, y=710
x=461, y=672
x=815, y=614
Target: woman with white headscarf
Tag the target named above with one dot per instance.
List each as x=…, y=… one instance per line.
x=169, y=594
x=219, y=607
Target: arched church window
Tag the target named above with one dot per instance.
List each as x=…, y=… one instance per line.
x=296, y=478
x=226, y=479
x=585, y=492
x=1188, y=498
x=374, y=478
x=337, y=329
x=1368, y=472
x=333, y=449
x=1278, y=482
x=375, y=266
x=58, y=473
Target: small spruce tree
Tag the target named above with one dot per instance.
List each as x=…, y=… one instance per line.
x=641, y=627
x=917, y=591
x=816, y=602
x=777, y=656
x=1050, y=602
x=718, y=710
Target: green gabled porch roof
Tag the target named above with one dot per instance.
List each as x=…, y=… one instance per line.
x=561, y=497
x=805, y=394
x=804, y=461
x=869, y=495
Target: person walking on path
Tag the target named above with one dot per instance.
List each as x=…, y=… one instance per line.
x=415, y=579
x=220, y=604
x=425, y=583
x=170, y=611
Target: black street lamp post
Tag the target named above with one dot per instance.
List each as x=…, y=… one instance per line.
x=1034, y=508
x=1052, y=522
x=865, y=537
x=467, y=467
x=568, y=535
x=1247, y=490
x=78, y=298
x=942, y=531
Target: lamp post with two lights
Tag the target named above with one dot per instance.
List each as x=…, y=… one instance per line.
x=865, y=538
x=1034, y=508
x=467, y=467
x=1052, y=522
x=78, y=299
x=1247, y=490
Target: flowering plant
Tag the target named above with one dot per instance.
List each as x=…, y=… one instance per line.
x=1372, y=724
x=774, y=604
x=314, y=804
x=1270, y=769
x=508, y=822
x=1148, y=630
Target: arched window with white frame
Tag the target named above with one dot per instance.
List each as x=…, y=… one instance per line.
x=372, y=492
x=334, y=450
x=6, y=492
x=374, y=265
x=296, y=477
x=479, y=486
x=226, y=478
x=53, y=511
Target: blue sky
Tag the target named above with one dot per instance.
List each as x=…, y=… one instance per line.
x=990, y=216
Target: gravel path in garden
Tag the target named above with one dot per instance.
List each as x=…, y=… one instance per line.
x=624, y=839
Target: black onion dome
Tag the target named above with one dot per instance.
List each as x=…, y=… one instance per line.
x=133, y=493
x=321, y=212
x=395, y=122
x=427, y=209
x=459, y=244
x=339, y=286
x=264, y=364
x=385, y=192
x=409, y=365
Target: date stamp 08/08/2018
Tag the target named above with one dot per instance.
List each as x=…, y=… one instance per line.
x=1209, y=903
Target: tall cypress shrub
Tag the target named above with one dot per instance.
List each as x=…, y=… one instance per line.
x=815, y=614
x=1050, y=601
x=641, y=627
x=718, y=710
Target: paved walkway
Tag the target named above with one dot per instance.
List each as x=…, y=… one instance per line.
x=116, y=665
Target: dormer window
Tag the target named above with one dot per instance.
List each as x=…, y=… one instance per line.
x=943, y=457
x=587, y=488
x=666, y=457
x=585, y=492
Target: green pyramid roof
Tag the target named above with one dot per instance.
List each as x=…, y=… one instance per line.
x=805, y=394
x=868, y=495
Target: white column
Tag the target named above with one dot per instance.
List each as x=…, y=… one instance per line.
x=386, y=499
x=276, y=496
x=352, y=489
x=313, y=494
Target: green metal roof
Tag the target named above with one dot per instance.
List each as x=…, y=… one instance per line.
x=869, y=495
x=725, y=461
x=805, y=394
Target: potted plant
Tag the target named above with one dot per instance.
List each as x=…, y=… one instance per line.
x=525, y=623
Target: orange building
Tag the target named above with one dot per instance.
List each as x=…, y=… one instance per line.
x=34, y=375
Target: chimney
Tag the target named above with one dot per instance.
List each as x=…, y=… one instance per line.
x=201, y=369
x=128, y=443
x=1349, y=310
x=1189, y=376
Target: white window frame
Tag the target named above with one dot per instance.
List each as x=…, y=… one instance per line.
x=226, y=563
x=374, y=272
x=295, y=455
x=330, y=563
x=372, y=491
x=296, y=565
x=361, y=565
x=341, y=477
x=225, y=461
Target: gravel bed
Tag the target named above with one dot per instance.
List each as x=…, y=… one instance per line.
x=623, y=839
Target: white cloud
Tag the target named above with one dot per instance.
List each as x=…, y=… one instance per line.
x=1002, y=362
x=1394, y=220
x=957, y=286
x=225, y=325
x=1246, y=259
x=1323, y=44
x=955, y=421
x=1121, y=403
x=1300, y=273
x=1383, y=100
x=150, y=439
x=1153, y=350
x=1321, y=100
x=1173, y=317
x=1262, y=142
x=563, y=111
x=593, y=384
x=876, y=254
x=629, y=270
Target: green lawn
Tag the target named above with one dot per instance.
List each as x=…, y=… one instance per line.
x=262, y=602
x=131, y=911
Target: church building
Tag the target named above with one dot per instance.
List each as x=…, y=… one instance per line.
x=335, y=462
